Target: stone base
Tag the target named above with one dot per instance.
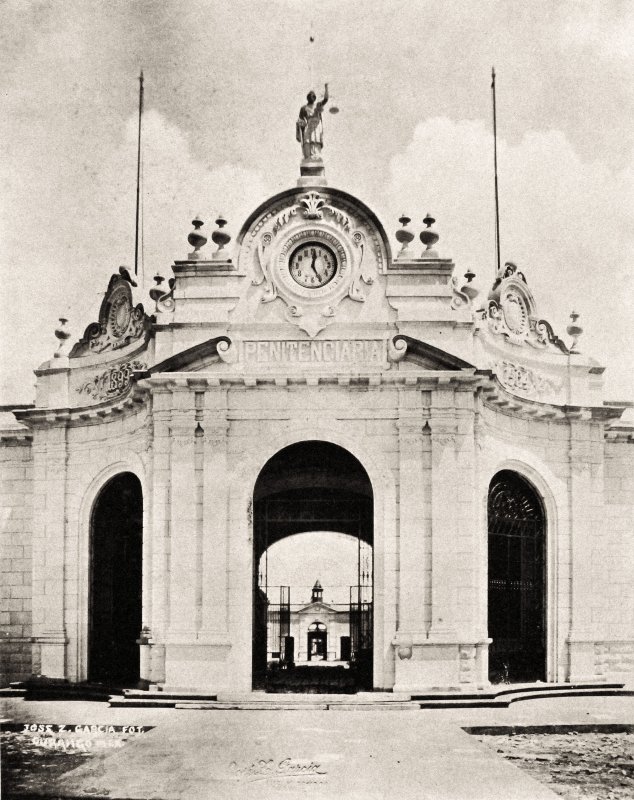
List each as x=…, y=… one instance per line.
x=312, y=172
x=201, y=667
x=581, y=660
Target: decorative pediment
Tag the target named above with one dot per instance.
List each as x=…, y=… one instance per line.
x=312, y=252
x=120, y=321
x=512, y=313
x=306, y=355
x=318, y=608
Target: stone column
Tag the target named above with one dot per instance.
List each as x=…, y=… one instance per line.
x=49, y=513
x=585, y=481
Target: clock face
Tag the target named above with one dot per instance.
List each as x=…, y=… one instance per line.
x=313, y=265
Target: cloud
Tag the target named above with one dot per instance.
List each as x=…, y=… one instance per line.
x=82, y=229
x=591, y=25
x=564, y=220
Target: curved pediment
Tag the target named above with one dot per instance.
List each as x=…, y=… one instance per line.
x=303, y=355
x=195, y=358
x=427, y=356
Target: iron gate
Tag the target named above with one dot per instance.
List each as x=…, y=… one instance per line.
x=516, y=580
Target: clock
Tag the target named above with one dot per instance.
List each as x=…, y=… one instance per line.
x=312, y=265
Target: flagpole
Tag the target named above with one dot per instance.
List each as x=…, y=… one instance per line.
x=495, y=164
x=138, y=179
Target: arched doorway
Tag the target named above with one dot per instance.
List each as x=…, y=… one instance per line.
x=114, y=618
x=516, y=615
x=317, y=644
x=309, y=487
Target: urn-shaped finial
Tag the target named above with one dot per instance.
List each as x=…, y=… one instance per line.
x=404, y=235
x=156, y=292
x=221, y=237
x=574, y=330
x=429, y=237
x=469, y=290
x=196, y=238
x=63, y=334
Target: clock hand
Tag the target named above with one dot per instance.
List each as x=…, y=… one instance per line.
x=312, y=264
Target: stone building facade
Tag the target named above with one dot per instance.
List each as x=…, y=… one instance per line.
x=316, y=373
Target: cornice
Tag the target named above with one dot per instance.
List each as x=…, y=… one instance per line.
x=424, y=379
x=38, y=418
x=497, y=398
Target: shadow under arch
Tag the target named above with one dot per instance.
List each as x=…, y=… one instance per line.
x=516, y=528
x=115, y=581
x=312, y=485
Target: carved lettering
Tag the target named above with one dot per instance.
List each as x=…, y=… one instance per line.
x=364, y=351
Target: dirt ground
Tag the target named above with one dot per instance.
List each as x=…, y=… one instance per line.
x=578, y=766
x=31, y=757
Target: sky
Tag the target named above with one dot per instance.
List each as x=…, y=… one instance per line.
x=223, y=84
x=300, y=560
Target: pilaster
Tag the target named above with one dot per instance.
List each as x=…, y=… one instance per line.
x=585, y=479
x=412, y=489
x=445, y=485
x=182, y=556
x=215, y=513
x=49, y=469
x=153, y=661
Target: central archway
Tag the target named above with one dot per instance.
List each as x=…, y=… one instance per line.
x=307, y=487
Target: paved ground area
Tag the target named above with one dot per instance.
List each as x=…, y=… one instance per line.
x=312, y=754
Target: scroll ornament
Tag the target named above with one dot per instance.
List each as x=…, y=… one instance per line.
x=112, y=382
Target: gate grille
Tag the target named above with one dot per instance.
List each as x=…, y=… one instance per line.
x=516, y=580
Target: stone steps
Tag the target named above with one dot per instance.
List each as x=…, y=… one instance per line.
x=504, y=700
x=259, y=701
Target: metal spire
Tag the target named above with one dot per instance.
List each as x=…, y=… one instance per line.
x=138, y=179
x=495, y=164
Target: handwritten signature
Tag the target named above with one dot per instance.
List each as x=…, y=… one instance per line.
x=271, y=768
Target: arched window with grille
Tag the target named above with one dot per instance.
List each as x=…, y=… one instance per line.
x=516, y=564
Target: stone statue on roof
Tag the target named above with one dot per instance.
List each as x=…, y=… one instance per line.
x=309, y=130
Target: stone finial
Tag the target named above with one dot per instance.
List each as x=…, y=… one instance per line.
x=574, y=330
x=156, y=292
x=221, y=238
x=404, y=235
x=197, y=239
x=63, y=334
x=429, y=237
x=163, y=297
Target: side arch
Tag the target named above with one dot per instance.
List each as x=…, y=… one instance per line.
x=553, y=493
x=516, y=579
x=90, y=496
x=115, y=582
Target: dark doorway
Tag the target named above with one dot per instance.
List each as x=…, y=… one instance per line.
x=116, y=538
x=308, y=487
x=516, y=523
x=317, y=642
